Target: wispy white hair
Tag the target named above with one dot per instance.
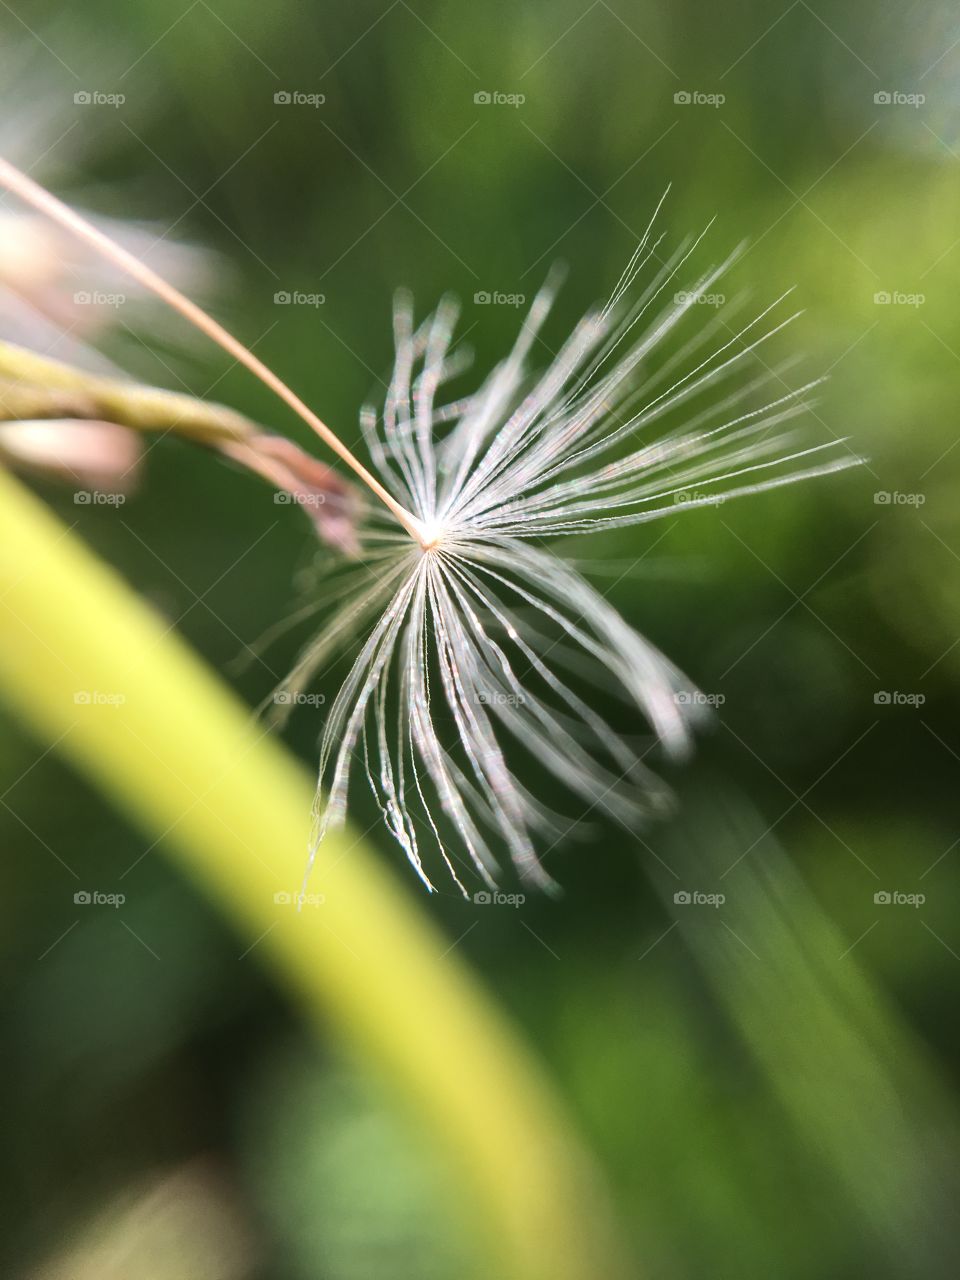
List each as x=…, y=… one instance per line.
x=471, y=639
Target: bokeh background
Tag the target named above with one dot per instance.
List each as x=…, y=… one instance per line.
x=770, y=1084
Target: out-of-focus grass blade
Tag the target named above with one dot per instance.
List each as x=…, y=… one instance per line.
x=173, y=748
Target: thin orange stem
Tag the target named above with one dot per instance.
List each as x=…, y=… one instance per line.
x=40, y=199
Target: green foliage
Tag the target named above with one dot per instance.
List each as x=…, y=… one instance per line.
x=727, y=1089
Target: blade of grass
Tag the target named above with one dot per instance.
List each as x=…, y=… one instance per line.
x=191, y=767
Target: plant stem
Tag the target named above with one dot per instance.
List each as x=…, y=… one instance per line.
x=190, y=766
x=33, y=386
x=40, y=199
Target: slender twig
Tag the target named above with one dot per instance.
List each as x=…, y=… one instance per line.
x=34, y=388
x=41, y=200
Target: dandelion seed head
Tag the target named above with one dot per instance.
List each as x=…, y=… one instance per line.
x=480, y=644
x=432, y=534
x=477, y=642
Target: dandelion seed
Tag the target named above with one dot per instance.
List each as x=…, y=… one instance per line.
x=472, y=626
x=463, y=669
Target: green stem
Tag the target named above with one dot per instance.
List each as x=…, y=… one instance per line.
x=34, y=386
x=190, y=766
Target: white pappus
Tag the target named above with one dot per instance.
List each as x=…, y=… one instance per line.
x=471, y=624
x=474, y=625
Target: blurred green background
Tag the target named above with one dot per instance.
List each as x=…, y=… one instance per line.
x=769, y=1084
